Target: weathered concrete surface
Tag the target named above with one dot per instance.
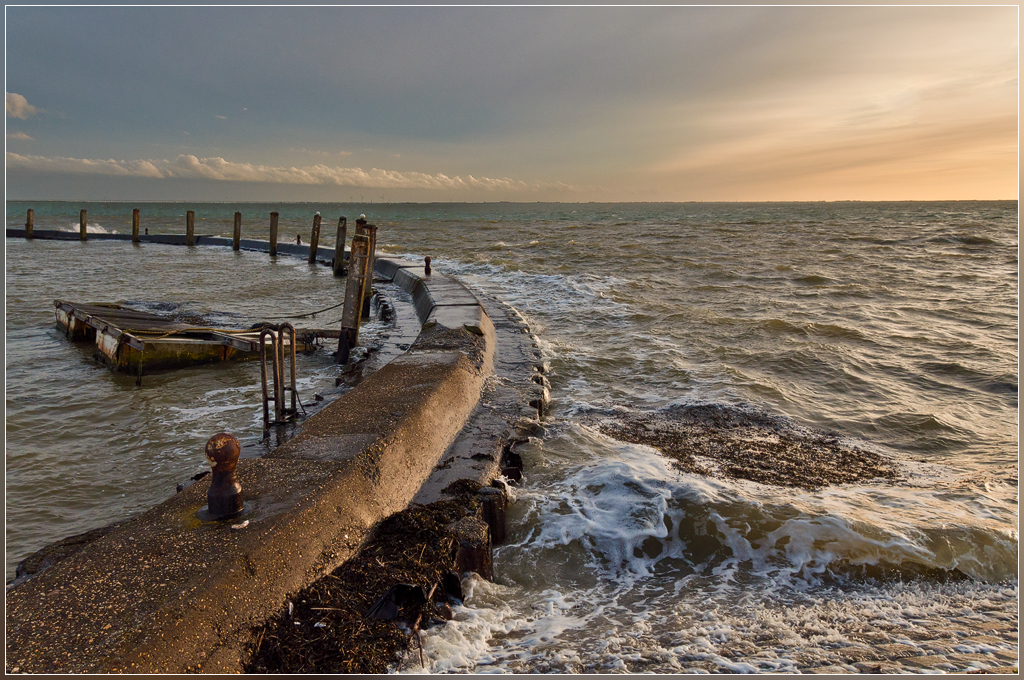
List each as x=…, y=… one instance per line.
x=167, y=592
x=503, y=418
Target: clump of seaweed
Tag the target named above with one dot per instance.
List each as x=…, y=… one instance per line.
x=327, y=628
x=723, y=441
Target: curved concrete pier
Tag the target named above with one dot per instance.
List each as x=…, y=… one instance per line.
x=169, y=592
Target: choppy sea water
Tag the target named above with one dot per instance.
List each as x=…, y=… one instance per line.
x=892, y=325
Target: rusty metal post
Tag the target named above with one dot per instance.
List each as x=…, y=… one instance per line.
x=190, y=228
x=29, y=219
x=135, y=225
x=353, y=309
x=273, y=234
x=339, y=247
x=224, y=499
x=81, y=225
x=314, y=239
x=370, y=231
x=238, y=231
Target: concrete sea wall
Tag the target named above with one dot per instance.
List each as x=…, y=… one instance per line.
x=169, y=592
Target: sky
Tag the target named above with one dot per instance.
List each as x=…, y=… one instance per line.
x=686, y=103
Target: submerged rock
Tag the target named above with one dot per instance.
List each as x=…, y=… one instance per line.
x=745, y=443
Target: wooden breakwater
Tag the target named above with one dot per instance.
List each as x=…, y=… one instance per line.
x=359, y=288
x=310, y=250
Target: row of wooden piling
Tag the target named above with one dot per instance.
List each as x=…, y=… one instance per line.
x=190, y=229
x=362, y=253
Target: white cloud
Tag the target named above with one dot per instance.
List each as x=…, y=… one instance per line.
x=218, y=169
x=223, y=117
x=18, y=107
x=19, y=135
x=83, y=166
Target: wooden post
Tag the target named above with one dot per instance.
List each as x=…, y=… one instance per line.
x=238, y=231
x=339, y=247
x=135, y=225
x=29, y=219
x=81, y=225
x=314, y=239
x=273, y=234
x=190, y=228
x=352, y=311
x=370, y=232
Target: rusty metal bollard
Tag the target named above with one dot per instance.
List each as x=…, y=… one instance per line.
x=225, y=495
x=426, y=265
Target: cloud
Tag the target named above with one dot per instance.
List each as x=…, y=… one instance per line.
x=223, y=117
x=80, y=166
x=18, y=107
x=187, y=166
x=19, y=135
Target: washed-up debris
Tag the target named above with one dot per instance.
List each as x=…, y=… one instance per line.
x=397, y=596
x=411, y=551
x=746, y=443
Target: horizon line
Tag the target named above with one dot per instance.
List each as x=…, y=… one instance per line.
x=840, y=200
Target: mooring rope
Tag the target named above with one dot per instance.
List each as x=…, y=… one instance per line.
x=308, y=314
x=156, y=335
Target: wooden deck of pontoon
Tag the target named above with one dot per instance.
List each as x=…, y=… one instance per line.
x=135, y=341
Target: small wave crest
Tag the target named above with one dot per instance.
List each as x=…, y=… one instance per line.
x=813, y=280
x=965, y=240
x=90, y=228
x=824, y=330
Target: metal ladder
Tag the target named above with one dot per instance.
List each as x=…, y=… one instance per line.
x=277, y=335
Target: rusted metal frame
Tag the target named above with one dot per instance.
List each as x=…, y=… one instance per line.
x=267, y=398
x=132, y=341
x=283, y=329
x=232, y=341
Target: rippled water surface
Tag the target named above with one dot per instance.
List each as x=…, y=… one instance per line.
x=893, y=325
